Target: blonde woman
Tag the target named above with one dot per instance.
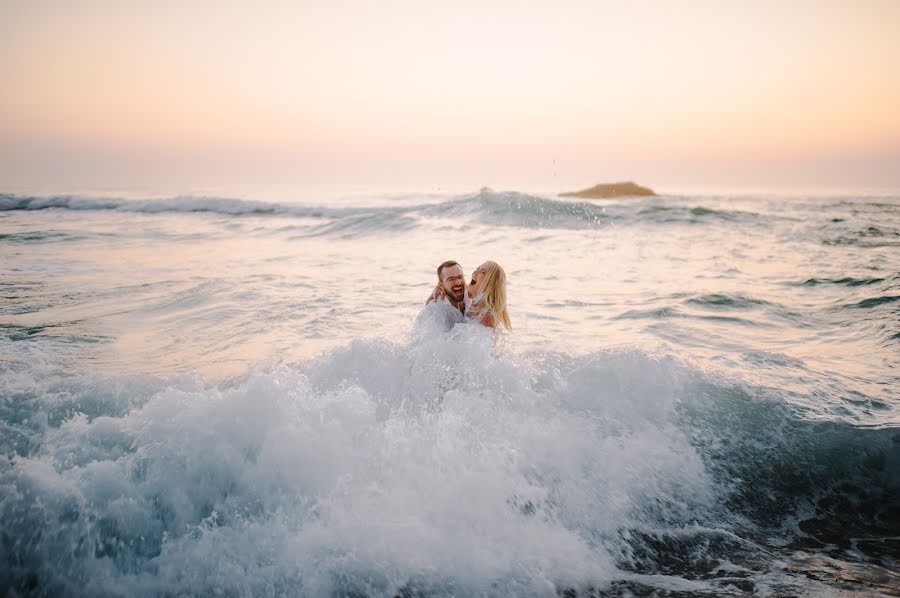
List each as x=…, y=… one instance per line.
x=488, y=293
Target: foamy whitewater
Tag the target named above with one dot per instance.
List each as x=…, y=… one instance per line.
x=210, y=396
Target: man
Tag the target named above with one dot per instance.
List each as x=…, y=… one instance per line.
x=449, y=310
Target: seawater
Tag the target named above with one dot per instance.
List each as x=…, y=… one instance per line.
x=214, y=396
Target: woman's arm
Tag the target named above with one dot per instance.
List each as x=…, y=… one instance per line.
x=437, y=293
x=488, y=320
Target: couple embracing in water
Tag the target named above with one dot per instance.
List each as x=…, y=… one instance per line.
x=482, y=302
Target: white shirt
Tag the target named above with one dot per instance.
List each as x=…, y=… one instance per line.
x=440, y=314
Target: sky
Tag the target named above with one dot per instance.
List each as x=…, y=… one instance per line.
x=529, y=95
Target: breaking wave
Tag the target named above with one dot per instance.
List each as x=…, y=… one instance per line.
x=435, y=468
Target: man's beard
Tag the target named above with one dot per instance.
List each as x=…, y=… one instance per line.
x=457, y=297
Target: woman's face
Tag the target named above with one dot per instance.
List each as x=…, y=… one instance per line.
x=477, y=278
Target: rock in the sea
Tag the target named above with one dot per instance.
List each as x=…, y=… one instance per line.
x=604, y=190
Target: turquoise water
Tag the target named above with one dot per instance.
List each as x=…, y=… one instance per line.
x=202, y=394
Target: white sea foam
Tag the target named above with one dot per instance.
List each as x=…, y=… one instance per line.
x=373, y=468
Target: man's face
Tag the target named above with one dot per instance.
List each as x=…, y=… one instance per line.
x=454, y=282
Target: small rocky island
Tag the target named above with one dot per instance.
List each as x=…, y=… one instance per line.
x=606, y=190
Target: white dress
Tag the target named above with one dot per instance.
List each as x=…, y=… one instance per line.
x=473, y=307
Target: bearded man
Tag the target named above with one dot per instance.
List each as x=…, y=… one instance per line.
x=448, y=310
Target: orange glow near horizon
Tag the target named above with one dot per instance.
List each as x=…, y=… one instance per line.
x=521, y=94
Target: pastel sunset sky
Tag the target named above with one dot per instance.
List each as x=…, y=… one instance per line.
x=527, y=95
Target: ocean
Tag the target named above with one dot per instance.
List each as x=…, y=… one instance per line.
x=700, y=396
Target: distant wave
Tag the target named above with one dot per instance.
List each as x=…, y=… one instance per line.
x=874, y=301
x=511, y=208
x=722, y=300
x=675, y=213
x=37, y=237
x=221, y=205
x=495, y=208
x=847, y=280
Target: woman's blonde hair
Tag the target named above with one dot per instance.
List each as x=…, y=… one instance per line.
x=494, y=288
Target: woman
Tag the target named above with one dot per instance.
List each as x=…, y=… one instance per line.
x=488, y=293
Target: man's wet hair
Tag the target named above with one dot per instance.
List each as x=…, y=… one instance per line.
x=446, y=264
